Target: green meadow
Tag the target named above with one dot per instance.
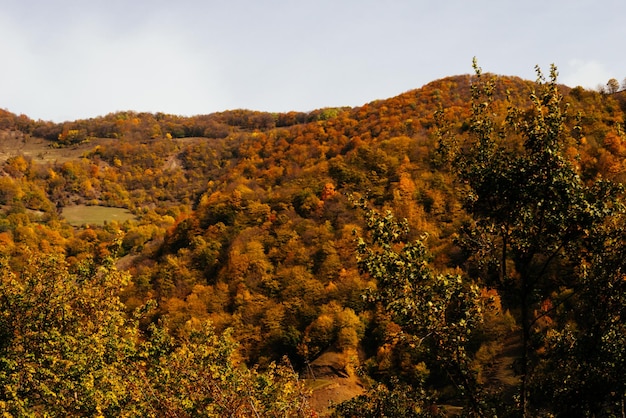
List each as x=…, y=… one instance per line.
x=95, y=215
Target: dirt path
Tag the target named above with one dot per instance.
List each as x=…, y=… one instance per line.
x=502, y=377
x=330, y=383
x=332, y=391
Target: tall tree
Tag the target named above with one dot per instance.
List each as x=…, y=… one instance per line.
x=581, y=372
x=532, y=210
x=437, y=312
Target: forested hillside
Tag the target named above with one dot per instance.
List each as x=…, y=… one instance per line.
x=455, y=249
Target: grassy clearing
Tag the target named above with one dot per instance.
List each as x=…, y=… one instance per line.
x=95, y=215
x=41, y=151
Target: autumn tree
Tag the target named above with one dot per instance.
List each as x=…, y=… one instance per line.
x=68, y=348
x=612, y=86
x=65, y=339
x=202, y=375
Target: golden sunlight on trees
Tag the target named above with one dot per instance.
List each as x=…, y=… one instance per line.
x=69, y=349
x=496, y=287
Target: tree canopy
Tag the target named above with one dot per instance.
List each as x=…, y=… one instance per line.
x=488, y=277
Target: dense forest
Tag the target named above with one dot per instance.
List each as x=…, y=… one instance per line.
x=457, y=250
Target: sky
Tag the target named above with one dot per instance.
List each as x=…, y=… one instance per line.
x=63, y=60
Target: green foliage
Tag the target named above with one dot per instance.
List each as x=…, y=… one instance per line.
x=65, y=339
x=535, y=217
x=585, y=351
x=437, y=312
x=69, y=349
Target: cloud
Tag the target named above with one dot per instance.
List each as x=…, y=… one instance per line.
x=587, y=74
x=89, y=68
x=17, y=67
x=70, y=59
x=150, y=71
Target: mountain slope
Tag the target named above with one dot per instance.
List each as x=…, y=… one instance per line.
x=244, y=218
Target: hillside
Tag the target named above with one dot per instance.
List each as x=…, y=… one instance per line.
x=248, y=219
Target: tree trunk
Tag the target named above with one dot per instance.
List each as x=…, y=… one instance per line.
x=525, y=344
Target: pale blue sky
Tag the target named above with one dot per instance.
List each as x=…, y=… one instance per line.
x=70, y=59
